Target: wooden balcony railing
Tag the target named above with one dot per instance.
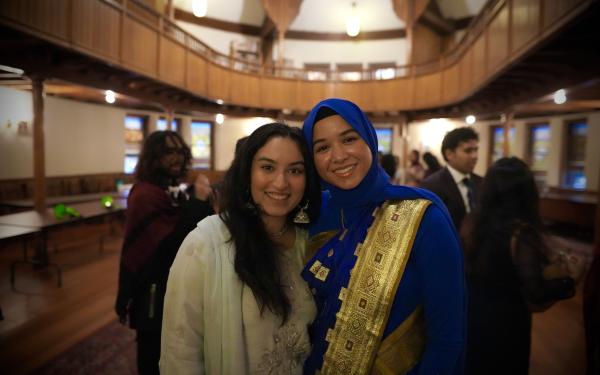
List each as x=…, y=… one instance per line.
x=129, y=34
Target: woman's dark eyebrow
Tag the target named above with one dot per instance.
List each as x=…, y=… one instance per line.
x=345, y=132
x=264, y=158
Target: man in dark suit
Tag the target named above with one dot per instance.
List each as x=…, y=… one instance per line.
x=456, y=184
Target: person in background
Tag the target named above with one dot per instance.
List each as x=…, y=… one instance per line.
x=591, y=314
x=433, y=165
x=388, y=163
x=235, y=302
x=413, y=175
x=505, y=256
x=160, y=213
x=456, y=184
x=387, y=275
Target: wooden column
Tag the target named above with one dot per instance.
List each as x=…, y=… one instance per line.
x=507, y=125
x=39, y=163
x=409, y=11
x=170, y=11
x=170, y=117
x=282, y=13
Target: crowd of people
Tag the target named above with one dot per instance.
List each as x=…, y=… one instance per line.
x=313, y=258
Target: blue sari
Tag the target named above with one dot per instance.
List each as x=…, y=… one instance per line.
x=434, y=274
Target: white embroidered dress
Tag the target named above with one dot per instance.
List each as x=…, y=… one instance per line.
x=211, y=322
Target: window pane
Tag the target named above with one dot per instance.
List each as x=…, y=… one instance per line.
x=130, y=163
x=201, y=144
x=386, y=73
x=498, y=142
x=384, y=140
x=540, y=145
x=576, y=139
x=134, y=137
x=161, y=124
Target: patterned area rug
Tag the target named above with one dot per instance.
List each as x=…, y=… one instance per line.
x=110, y=350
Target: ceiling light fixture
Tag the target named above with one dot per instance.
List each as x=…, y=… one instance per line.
x=353, y=22
x=470, y=119
x=109, y=96
x=219, y=118
x=199, y=7
x=560, y=97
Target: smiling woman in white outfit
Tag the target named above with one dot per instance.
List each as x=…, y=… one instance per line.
x=235, y=300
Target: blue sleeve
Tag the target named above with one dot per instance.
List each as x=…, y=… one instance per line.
x=439, y=260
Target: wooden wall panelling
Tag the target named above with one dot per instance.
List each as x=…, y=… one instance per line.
x=498, y=33
x=386, y=93
x=245, y=89
x=403, y=94
x=428, y=90
x=219, y=82
x=172, y=61
x=390, y=95
x=278, y=93
x=96, y=27
x=465, y=73
x=427, y=45
x=48, y=16
x=479, y=63
x=353, y=91
x=196, y=74
x=525, y=22
x=140, y=46
x=555, y=9
x=310, y=93
x=451, y=84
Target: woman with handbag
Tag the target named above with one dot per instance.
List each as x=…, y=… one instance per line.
x=506, y=257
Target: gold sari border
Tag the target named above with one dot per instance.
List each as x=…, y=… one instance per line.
x=361, y=320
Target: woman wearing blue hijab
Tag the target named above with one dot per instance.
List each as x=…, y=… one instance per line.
x=388, y=275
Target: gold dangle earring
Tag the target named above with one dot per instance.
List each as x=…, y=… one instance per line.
x=301, y=216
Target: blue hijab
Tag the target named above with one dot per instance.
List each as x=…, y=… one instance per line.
x=375, y=187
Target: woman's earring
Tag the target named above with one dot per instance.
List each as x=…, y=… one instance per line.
x=301, y=216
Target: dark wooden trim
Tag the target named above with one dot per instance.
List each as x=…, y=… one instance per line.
x=364, y=35
x=39, y=164
x=462, y=23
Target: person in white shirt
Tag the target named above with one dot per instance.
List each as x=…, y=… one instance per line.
x=456, y=184
x=235, y=301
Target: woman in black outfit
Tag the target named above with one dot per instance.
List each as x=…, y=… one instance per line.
x=505, y=257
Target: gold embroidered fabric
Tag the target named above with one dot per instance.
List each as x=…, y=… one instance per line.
x=360, y=323
x=403, y=348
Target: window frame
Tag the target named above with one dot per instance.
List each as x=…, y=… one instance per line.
x=211, y=164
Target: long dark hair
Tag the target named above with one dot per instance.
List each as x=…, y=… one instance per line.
x=149, y=168
x=508, y=202
x=433, y=165
x=256, y=255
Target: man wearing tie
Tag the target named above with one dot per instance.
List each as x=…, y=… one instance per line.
x=456, y=184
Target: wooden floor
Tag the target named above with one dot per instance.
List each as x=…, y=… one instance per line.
x=42, y=320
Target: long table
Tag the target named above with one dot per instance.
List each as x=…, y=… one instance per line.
x=66, y=199
x=32, y=222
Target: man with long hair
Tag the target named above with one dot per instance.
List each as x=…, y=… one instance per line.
x=161, y=211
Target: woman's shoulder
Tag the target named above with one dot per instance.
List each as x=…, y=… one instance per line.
x=210, y=233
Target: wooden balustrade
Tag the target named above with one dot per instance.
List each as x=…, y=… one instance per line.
x=129, y=34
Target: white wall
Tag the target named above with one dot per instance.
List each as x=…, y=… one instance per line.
x=306, y=51
x=216, y=39
x=372, y=51
x=82, y=138
x=16, y=156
